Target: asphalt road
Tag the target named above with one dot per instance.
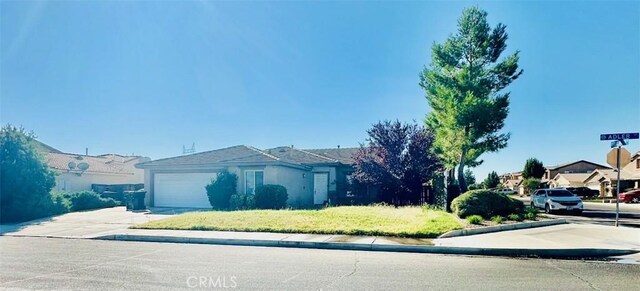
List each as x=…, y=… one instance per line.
x=601, y=213
x=46, y=263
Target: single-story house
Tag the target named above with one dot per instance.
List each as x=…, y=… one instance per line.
x=78, y=172
x=311, y=177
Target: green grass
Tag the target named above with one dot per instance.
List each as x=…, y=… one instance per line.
x=475, y=219
x=415, y=222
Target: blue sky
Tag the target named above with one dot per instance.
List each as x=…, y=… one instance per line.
x=147, y=77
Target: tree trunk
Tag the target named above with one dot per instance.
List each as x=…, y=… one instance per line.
x=461, y=181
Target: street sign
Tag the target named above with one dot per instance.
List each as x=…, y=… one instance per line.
x=619, y=157
x=612, y=156
x=620, y=136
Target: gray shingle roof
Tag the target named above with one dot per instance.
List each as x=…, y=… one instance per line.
x=575, y=162
x=343, y=155
x=234, y=154
x=297, y=156
x=246, y=154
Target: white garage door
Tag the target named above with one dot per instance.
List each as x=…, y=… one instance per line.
x=182, y=190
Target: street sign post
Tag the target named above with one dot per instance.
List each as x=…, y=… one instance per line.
x=614, y=157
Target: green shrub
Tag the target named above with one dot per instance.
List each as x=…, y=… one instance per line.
x=271, y=197
x=25, y=179
x=515, y=217
x=530, y=209
x=221, y=189
x=241, y=202
x=85, y=200
x=236, y=202
x=497, y=219
x=250, y=202
x=485, y=203
x=475, y=219
x=530, y=216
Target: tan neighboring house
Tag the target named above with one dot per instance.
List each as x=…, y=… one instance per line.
x=569, y=180
x=571, y=174
x=77, y=172
x=577, y=167
x=606, y=180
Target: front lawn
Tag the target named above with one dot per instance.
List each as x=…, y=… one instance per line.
x=353, y=220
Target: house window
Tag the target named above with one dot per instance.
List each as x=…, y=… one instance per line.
x=253, y=180
x=638, y=163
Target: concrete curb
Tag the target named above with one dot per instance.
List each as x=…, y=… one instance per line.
x=545, y=253
x=502, y=227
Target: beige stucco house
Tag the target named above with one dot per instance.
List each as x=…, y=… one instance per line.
x=78, y=172
x=311, y=177
x=568, y=180
x=606, y=180
x=581, y=166
x=571, y=174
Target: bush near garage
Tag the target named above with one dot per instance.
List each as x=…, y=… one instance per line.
x=485, y=203
x=221, y=189
x=83, y=200
x=241, y=202
x=271, y=197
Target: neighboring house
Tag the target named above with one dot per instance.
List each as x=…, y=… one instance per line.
x=311, y=177
x=77, y=172
x=569, y=180
x=606, y=180
x=101, y=170
x=511, y=180
x=512, y=184
x=574, y=174
x=580, y=166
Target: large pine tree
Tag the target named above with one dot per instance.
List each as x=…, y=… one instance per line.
x=464, y=87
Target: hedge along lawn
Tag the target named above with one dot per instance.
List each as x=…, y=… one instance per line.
x=416, y=222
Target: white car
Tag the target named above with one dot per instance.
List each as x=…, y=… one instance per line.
x=556, y=200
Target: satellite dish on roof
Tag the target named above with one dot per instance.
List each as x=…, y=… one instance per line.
x=71, y=165
x=83, y=166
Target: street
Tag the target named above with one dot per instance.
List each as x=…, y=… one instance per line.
x=600, y=213
x=46, y=263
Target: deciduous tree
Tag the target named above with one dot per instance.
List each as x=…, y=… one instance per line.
x=398, y=159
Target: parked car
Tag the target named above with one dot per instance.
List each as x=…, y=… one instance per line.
x=632, y=196
x=583, y=191
x=556, y=200
x=504, y=191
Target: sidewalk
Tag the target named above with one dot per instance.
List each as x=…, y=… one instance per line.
x=568, y=240
x=369, y=243
x=556, y=236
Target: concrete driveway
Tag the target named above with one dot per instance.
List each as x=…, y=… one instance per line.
x=87, y=224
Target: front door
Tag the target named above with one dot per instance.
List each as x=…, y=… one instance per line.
x=320, y=187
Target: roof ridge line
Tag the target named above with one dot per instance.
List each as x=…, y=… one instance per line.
x=260, y=151
x=193, y=154
x=316, y=155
